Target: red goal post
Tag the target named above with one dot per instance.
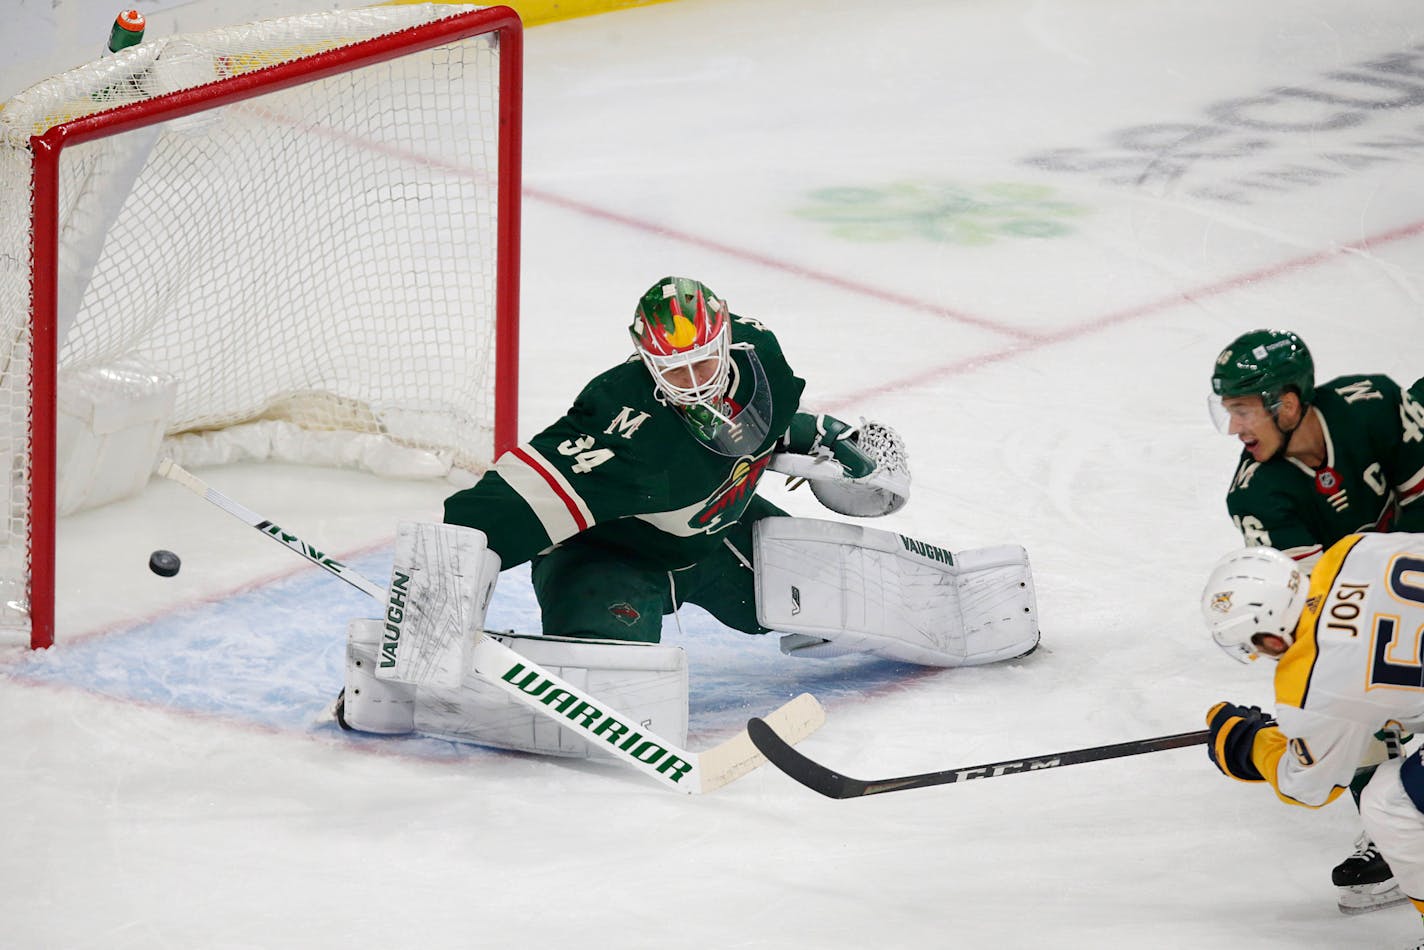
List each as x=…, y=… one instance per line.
x=305, y=230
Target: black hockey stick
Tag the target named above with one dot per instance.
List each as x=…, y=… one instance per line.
x=833, y=784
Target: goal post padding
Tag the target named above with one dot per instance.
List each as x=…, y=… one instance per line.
x=302, y=231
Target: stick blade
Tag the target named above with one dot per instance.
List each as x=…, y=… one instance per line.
x=813, y=775
x=725, y=763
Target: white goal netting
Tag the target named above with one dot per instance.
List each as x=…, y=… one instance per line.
x=310, y=272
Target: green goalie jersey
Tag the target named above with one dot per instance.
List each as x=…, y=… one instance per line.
x=626, y=470
x=1372, y=478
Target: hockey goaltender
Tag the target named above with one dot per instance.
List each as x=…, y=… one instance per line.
x=643, y=497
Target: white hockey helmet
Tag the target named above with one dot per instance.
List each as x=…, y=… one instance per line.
x=1251, y=591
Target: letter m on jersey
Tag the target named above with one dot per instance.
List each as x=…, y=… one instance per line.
x=625, y=423
x=1360, y=389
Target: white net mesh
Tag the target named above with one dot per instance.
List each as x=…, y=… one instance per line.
x=323, y=255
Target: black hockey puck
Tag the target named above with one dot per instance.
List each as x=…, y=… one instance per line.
x=164, y=563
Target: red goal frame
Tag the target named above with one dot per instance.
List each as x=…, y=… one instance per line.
x=44, y=215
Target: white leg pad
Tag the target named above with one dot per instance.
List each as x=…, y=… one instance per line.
x=441, y=582
x=840, y=588
x=645, y=682
x=370, y=704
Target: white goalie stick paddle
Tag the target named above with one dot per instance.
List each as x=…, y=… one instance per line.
x=552, y=697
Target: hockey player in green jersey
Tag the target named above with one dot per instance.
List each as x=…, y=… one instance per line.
x=643, y=497
x=1319, y=463
x=654, y=470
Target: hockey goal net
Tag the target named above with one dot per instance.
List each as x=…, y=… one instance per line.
x=296, y=238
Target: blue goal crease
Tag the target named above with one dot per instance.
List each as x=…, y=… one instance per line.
x=273, y=657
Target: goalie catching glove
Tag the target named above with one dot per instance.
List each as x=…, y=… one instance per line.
x=863, y=472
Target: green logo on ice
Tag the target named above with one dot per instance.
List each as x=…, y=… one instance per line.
x=941, y=212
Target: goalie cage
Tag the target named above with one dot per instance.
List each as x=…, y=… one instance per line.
x=308, y=224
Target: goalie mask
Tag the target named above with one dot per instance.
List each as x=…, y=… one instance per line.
x=682, y=333
x=1251, y=592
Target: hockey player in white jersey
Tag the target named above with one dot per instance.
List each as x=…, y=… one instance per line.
x=1349, y=682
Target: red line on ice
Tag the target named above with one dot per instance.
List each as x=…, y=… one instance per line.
x=1024, y=341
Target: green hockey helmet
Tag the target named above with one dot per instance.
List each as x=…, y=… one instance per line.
x=1265, y=363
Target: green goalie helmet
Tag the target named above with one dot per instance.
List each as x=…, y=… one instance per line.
x=1265, y=363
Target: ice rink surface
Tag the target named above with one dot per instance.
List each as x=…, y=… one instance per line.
x=1017, y=231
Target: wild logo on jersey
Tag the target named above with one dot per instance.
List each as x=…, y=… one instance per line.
x=732, y=493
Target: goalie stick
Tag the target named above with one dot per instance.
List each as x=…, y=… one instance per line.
x=173, y=471
x=603, y=727
x=833, y=784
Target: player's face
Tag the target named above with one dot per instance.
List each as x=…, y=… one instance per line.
x=1269, y=644
x=692, y=375
x=1249, y=421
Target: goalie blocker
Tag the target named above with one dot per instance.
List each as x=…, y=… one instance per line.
x=836, y=588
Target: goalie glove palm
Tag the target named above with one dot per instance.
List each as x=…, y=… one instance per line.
x=1233, y=738
x=828, y=436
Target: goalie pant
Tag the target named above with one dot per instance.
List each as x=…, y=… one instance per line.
x=646, y=682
